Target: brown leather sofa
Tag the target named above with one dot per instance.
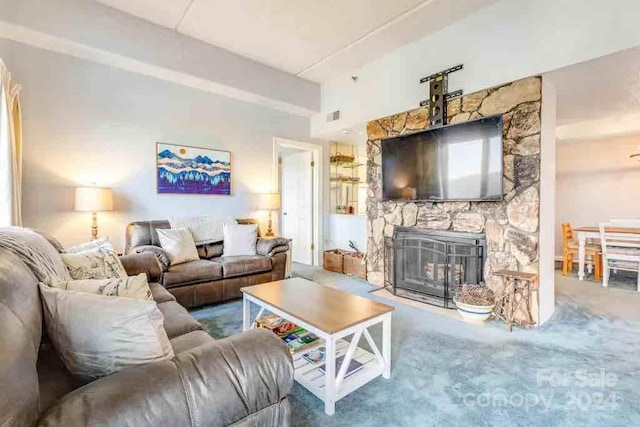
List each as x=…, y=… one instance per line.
x=213, y=278
x=242, y=380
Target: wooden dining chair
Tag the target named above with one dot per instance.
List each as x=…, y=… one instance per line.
x=620, y=251
x=570, y=251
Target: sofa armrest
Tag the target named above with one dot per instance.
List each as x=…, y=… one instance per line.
x=146, y=263
x=269, y=246
x=215, y=384
x=160, y=254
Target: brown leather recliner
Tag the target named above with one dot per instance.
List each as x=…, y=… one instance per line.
x=213, y=278
x=242, y=380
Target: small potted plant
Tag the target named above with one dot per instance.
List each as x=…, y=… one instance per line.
x=475, y=303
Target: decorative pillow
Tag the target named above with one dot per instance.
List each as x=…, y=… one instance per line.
x=178, y=244
x=94, y=244
x=99, y=263
x=240, y=239
x=97, y=335
x=135, y=287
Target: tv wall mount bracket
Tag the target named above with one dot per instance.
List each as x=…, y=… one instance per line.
x=439, y=95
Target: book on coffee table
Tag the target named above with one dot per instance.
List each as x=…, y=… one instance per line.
x=354, y=366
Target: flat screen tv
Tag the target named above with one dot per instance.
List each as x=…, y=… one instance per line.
x=454, y=162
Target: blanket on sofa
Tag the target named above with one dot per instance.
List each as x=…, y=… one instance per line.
x=204, y=229
x=36, y=252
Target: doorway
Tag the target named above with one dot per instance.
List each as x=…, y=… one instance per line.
x=596, y=174
x=298, y=181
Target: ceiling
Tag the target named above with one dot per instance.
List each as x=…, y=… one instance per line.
x=599, y=98
x=316, y=40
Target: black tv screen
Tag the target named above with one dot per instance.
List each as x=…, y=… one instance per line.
x=454, y=162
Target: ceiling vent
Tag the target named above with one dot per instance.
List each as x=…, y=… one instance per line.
x=333, y=116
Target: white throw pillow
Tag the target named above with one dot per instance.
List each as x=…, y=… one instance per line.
x=97, y=335
x=94, y=244
x=240, y=239
x=99, y=263
x=178, y=244
x=135, y=287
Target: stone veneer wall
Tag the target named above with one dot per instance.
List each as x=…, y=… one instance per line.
x=511, y=226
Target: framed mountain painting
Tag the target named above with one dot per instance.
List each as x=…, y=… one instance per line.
x=181, y=169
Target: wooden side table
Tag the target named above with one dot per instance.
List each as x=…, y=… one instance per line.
x=517, y=297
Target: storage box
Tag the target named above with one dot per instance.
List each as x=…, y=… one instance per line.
x=332, y=260
x=353, y=264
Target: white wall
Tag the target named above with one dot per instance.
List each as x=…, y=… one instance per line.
x=546, y=289
x=347, y=227
x=502, y=43
x=596, y=181
x=85, y=123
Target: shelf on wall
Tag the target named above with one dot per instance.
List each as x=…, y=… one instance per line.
x=347, y=165
x=344, y=181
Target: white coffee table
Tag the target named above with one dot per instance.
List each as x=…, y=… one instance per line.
x=332, y=315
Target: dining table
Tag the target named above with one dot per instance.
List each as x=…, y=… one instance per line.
x=585, y=233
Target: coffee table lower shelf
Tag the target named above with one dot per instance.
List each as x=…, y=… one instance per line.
x=308, y=375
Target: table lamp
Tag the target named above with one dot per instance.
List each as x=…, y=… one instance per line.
x=270, y=202
x=93, y=199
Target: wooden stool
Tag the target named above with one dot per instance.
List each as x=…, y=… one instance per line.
x=517, y=296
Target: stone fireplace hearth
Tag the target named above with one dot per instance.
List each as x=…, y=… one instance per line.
x=511, y=226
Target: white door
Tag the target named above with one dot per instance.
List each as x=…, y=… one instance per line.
x=297, y=204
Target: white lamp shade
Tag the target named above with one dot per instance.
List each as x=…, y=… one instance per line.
x=94, y=199
x=270, y=201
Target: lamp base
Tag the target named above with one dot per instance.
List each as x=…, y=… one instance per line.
x=270, y=227
x=94, y=225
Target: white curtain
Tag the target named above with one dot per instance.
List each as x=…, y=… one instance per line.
x=10, y=150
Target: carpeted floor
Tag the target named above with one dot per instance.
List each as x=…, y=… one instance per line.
x=580, y=368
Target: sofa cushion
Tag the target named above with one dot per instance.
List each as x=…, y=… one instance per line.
x=242, y=265
x=210, y=250
x=130, y=331
x=192, y=272
x=177, y=320
x=178, y=245
x=159, y=293
x=53, y=378
x=191, y=340
x=144, y=233
x=240, y=239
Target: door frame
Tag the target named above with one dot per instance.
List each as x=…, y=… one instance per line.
x=279, y=143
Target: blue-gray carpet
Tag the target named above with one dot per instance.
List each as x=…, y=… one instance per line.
x=579, y=368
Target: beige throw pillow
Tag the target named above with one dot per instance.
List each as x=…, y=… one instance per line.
x=99, y=263
x=97, y=335
x=178, y=244
x=240, y=239
x=135, y=287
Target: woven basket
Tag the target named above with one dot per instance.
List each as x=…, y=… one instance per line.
x=354, y=265
x=333, y=260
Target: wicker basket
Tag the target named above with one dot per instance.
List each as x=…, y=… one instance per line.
x=354, y=265
x=332, y=260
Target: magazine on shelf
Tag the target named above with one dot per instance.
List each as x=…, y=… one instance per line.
x=299, y=338
x=295, y=337
x=354, y=366
x=276, y=324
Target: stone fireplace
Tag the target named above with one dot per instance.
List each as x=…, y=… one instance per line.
x=429, y=265
x=511, y=226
